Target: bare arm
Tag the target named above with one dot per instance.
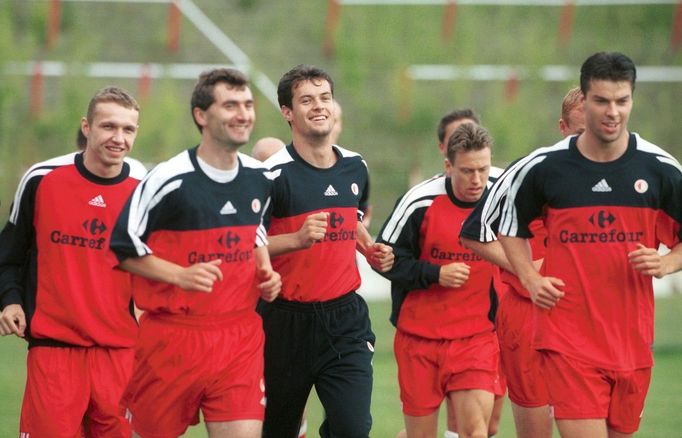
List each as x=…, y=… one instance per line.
x=490, y=251
x=378, y=255
x=198, y=277
x=649, y=262
x=268, y=282
x=543, y=290
x=313, y=229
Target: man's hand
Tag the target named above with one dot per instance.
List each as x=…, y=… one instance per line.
x=313, y=229
x=380, y=257
x=269, y=284
x=199, y=277
x=13, y=321
x=544, y=291
x=647, y=261
x=453, y=275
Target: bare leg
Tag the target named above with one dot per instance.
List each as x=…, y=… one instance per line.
x=532, y=422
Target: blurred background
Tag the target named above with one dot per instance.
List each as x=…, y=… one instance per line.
x=398, y=67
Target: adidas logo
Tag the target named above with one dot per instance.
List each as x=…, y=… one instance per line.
x=330, y=191
x=601, y=186
x=228, y=208
x=97, y=201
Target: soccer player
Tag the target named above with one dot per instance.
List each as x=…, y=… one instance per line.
x=318, y=331
x=521, y=363
x=443, y=295
x=193, y=233
x=572, y=121
x=609, y=198
x=451, y=121
x=265, y=147
x=136, y=167
x=58, y=289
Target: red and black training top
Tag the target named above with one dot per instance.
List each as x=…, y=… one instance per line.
x=596, y=214
x=55, y=259
x=423, y=230
x=182, y=215
x=326, y=270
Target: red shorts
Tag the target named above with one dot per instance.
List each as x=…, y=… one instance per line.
x=429, y=369
x=520, y=361
x=72, y=391
x=580, y=391
x=184, y=364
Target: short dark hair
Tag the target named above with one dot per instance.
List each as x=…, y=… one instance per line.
x=453, y=116
x=113, y=94
x=610, y=66
x=298, y=74
x=202, y=96
x=468, y=137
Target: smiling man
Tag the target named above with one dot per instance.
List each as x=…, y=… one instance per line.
x=616, y=196
x=57, y=286
x=318, y=332
x=194, y=230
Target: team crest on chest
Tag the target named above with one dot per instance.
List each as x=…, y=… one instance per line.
x=255, y=205
x=641, y=186
x=354, y=188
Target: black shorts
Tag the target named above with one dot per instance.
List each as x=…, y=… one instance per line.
x=328, y=345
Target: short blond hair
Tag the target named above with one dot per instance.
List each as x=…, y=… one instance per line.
x=113, y=94
x=570, y=102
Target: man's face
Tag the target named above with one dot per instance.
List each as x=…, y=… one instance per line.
x=230, y=118
x=449, y=129
x=607, y=106
x=469, y=174
x=110, y=135
x=312, y=112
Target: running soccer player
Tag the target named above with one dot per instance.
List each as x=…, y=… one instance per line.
x=443, y=295
x=318, y=331
x=609, y=198
x=194, y=230
x=521, y=364
x=58, y=289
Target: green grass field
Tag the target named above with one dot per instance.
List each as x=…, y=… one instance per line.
x=662, y=417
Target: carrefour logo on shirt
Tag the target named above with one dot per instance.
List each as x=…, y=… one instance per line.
x=94, y=227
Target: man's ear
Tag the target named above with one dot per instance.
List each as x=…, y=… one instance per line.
x=286, y=112
x=198, y=114
x=448, y=167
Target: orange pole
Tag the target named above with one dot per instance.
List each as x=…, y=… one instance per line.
x=37, y=82
x=676, y=33
x=173, y=27
x=566, y=22
x=53, y=19
x=449, y=16
x=144, y=83
x=330, y=25
x=511, y=88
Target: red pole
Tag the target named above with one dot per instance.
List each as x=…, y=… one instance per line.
x=566, y=22
x=330, y=25
x=511, y=88
x=449, y=16
x=405, y=96
x=37, y=82
x=676, y=33
x=53, y=19
x=173, y=27
x=144, y=83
